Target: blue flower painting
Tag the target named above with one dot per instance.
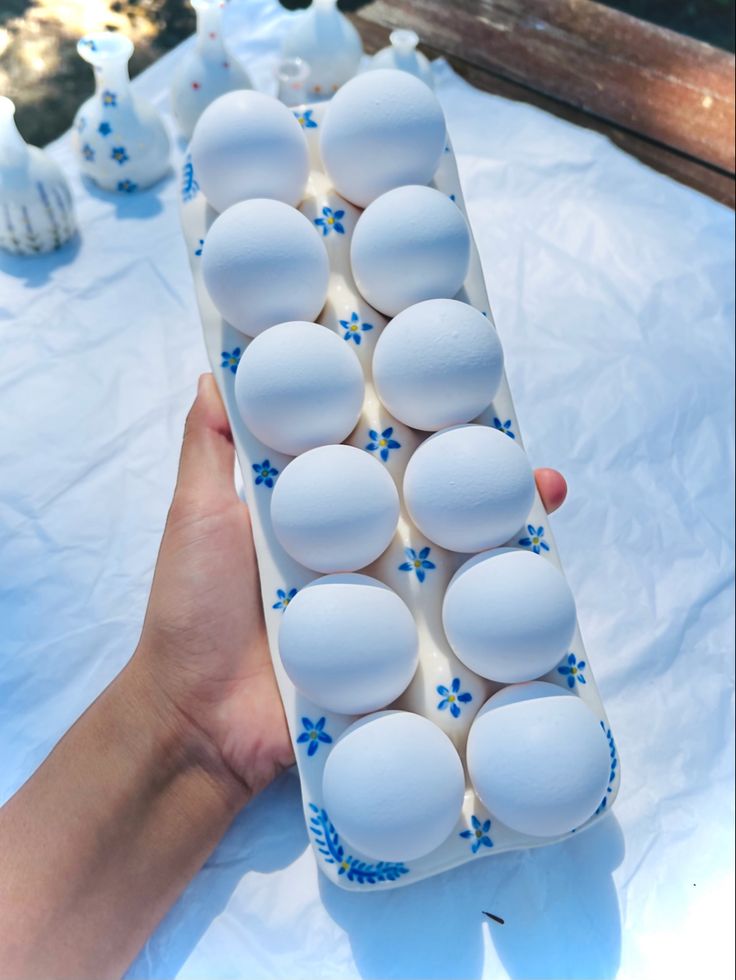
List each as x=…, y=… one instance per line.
x=120, y=155
x=104, y=129
x=572, y=669
x=478, y=834
x=354, y=328
x=331, y=221
x=109, y=98
x=453, y=697
x=305, y=119
x=418, y=562
x=314, y=733
x=230, y=358
x=283, y=598
x=265, y=473
x=504, y=427
x=88, y=153
x=382, y=442
x=127, y=186
x=534, y=540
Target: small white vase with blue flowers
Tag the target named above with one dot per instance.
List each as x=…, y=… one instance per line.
x=330, y=45
x=208, y=71
x=120, y=139
x=36, y=209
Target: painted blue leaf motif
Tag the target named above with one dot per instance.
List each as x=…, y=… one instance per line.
x=189, y=183
x=328, y=843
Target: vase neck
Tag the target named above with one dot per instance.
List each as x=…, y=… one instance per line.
x=209, y=28
x=13, y=149
x=108, y=53
x=113, y=79
x=325, y=8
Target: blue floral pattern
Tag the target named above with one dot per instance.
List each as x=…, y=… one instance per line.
x=109, y=98
x=189, y=184
x=572, y=669
x=88, y=153
x=120, y=155
x=614, y=766
x=230, y=358
x=104, y=129
x=283, y=598
x=382, y=442
x=313, y=734
x=534, y=540
x=305, y=119
x=265, y=473
x=504, y=427
x=418, y=562
x=328, y=844
x=331, y=221
x=354, y=328
x=478, y=834
x=127, y=186
x=453, y=697
x=81, y=124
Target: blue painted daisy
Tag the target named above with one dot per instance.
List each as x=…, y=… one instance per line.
x=109, y=98
x=383, y=442
x=266, y=474
x=354, y=328
x=305, y=119
x=452, y=697
x=331, y=221
x=504, y=427
x=283, y=598
x=534, y=541
x=573, y=669
x=478, y=834
x=104, y=129
x=313, y=733
x=120, y=154
x=88, y=153
x=230, y=358
x=127, y=186
x=418, y=563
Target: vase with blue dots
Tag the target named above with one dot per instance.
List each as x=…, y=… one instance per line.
x=119, y=139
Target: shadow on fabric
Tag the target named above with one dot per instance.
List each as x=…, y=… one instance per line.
x=558, y=903
x=36, y=270
x=138, y=205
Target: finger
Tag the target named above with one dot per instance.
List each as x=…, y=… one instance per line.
x=207, y=455
x=552, y=488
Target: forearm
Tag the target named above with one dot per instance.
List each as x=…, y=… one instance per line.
x=102, y=839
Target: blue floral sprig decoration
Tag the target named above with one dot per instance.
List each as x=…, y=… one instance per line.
x=535, y=540
x=504, y=427
x=354, y=328
x=265, y=473
x=453, y=697
x=573, y=669
x=305, y=119
x=418, y=562
x=614, y=766
x=478, y=834
x=283, y=598
x=328, y=844
x=383, y=442
x=314, y=733
x=189, y=183
x=331, y=221
x=230, y=359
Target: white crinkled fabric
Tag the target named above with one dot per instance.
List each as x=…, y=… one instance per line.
x=612, y=289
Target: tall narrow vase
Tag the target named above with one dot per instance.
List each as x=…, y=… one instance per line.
x=36, y=210
x=208, y=71
x=330, y=45
x=402, y=54
x=119, y=138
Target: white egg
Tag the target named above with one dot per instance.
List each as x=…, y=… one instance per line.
x=468, y=488
x=335, y=509
x=381, y=130
x=538, y=759
x=509, y=615
x=411, y=244
x=263, y=263
x=348, y=643
x=298, y=386
x=246, y=145
x=393, y=786
x=437, y=363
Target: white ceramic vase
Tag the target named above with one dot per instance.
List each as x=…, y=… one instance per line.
x=120, y=139
x=402, y=54
x=330, y=45
x=36, y=209
x=208, y=71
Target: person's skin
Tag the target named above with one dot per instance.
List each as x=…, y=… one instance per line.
x=103, y=838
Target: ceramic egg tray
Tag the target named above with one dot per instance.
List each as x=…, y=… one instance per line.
x=443, y=689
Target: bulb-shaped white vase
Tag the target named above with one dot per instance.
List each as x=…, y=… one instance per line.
x=36, y=209
x=402, y=54
x=120, y=139
x=208, y=71
x=330, y=45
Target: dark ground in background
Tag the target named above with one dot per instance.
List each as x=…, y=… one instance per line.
x=46, y=102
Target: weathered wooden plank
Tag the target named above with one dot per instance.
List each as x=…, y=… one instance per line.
x=643, y=78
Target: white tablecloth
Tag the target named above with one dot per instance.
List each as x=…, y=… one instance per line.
x=612, y=288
